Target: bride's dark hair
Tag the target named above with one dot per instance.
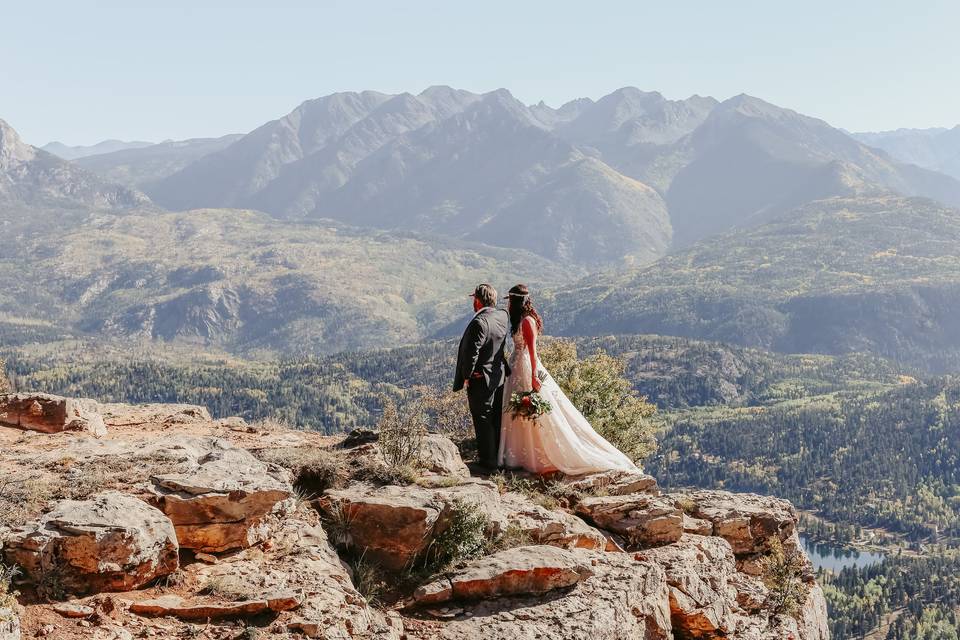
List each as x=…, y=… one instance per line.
x=520, y=307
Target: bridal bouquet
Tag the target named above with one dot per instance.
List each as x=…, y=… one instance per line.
x=529, y=405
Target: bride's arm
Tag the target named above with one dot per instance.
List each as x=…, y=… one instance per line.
x=530, y=339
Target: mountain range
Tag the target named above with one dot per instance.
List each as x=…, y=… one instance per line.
x=937, y=149
x=599, y=183
x=358, y=219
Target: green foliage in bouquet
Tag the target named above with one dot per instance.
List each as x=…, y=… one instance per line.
x=529, y=405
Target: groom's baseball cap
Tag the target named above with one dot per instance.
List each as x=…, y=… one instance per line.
x=486, y=294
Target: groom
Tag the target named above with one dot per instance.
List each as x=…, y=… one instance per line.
x=482, y=368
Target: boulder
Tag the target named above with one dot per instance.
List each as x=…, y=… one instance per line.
x=51, y=414
x=73, y=610
x=547, y=526
x=438, y=453
x=700, y=572
x=615, y=483
x=697, y=526
x=111, y=542
x=394, y=525
x=747, y=521
x=642, y=520
x=9, y=624
x=177, y=607
x=622, y=599
x=221, y=503
x=518, y=571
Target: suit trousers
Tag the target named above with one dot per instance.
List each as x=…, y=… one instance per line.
x=486, y=407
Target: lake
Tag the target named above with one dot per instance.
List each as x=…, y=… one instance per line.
x=834, y=557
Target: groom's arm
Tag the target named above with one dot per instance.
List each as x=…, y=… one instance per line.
x=472, y=343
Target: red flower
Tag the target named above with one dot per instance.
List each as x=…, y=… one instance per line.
x=526, y=400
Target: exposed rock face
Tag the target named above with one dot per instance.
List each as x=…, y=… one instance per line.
x=394, y=525
x=438, y=454
x=518, y=571
x=643, y=520
x=9, y=625
x=746, y=520
x=547, y=526
x=222, y=503
x=112, y=542
x=616, y=483
x=50, y=414
x=622, y=600
x=699, y=571
x=179, y=608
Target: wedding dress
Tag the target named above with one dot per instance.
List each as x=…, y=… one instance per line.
x=561, y=440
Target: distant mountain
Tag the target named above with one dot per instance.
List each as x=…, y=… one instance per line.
x=249, y=283
x=621, y=179
x=107, y=146
x=142, y=167
x=872, y=274
x=35, y=178
x=937, y=149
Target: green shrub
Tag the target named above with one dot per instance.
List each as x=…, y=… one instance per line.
x=597, y=387
x=782, y=572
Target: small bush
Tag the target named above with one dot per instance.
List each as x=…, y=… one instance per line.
x=8, y=597
x=402, y=433
x=510, y=538
x=368, y=579
x=463, y=538
x=782, y=572
x=22, y=498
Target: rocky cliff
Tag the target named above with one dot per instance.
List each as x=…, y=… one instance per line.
x=158, y=521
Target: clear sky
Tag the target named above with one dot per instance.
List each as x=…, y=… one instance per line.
x=80, y=71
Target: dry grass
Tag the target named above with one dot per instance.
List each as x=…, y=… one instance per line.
x=231, y=588
x=88, y=477
x=23, y=497
x=314, y=469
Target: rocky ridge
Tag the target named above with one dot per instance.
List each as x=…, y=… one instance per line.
x=172, y=524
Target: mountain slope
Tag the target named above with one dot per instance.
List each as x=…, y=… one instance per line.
x=246, y=282
x=142, y=167
x=32, y=177
x=935, y=149
x=751, y=161
x=107, y=146
x=876, y=274
x=226, y=178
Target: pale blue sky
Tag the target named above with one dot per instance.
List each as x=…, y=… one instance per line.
x=80, y=71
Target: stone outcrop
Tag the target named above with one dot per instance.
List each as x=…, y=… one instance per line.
x=700, y=571
x=394, y=525
x=177, y=607
x=615, y=483
x=746, y=520
x=641, y=519
x=438, y=454
x=623, y=599
x=546, y=526
x=50, y=414
x=112, y=542
x=223, y=502
x=693, y=569
x=518, y=571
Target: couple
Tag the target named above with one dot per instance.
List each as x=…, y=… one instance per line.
x=558, y=441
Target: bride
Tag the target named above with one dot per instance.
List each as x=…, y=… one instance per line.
x=560, y=440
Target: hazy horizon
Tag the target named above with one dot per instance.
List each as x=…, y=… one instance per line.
x=181, y=71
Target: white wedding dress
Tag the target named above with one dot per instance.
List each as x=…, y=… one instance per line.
x=561, y=440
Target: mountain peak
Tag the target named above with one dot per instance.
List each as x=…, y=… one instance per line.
x=13, y=150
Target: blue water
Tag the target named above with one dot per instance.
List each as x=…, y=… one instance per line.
x=835, y=557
